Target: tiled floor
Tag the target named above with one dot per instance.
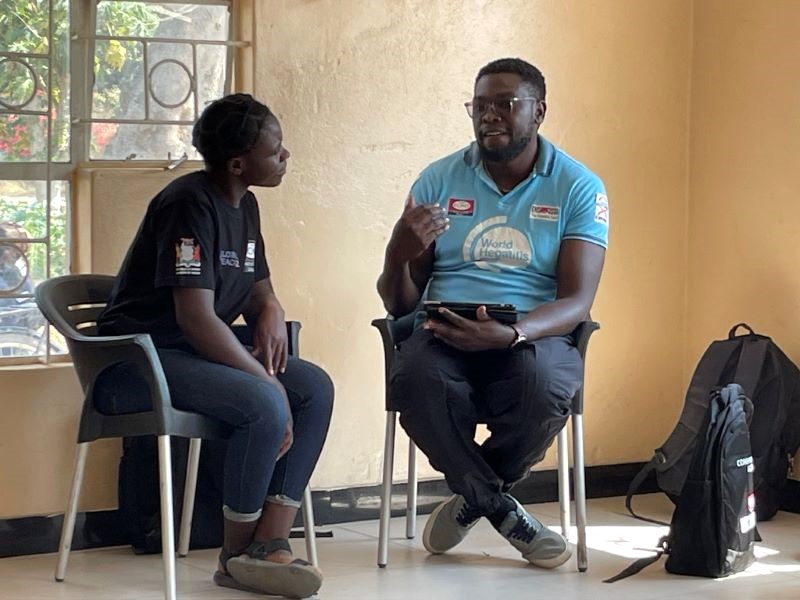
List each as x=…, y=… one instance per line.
x=483, y=567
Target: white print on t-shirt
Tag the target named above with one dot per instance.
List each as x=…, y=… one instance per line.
x=601, y=209
x=250, y=257
x=229, y=258
x=187, y=257
x=493, y=245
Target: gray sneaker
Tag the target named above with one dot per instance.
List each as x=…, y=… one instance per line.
x=539, y=545
x=448, y=524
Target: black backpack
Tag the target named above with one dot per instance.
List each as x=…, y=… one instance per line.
x=713, y=528
x=772, y=382
x=139, y=501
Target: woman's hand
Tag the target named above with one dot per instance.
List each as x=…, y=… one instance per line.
x=270, y=341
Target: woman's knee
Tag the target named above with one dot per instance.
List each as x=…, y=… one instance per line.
x=309, y=387
x=262, y=406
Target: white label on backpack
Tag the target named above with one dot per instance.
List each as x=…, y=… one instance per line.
x=747, y=522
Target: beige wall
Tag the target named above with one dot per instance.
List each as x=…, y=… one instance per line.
x=744, y=238
x=40, y=409
x=370, y=92
x=41, y=405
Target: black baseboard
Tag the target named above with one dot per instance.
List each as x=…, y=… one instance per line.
x=35, y=535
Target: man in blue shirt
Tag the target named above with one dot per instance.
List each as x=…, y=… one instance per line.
x=509, y=219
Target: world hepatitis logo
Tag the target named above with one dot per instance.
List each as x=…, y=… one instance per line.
x=494, y=246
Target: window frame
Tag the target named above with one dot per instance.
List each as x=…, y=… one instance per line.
x=82, y=38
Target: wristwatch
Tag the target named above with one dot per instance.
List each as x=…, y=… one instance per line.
x=520, y=338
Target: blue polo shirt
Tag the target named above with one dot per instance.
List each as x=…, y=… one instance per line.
x=503, y=248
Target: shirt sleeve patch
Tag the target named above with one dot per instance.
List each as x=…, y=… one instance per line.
x=187, y=257
x=250, y=257
x=601, y=209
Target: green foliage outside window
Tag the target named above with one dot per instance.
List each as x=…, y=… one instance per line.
x=24, y=27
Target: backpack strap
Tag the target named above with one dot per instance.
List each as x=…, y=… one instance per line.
x=635, y=567
x=709, y=370
x=732, y=332
x=706, y=377
x=751, y=364
x=636, y=484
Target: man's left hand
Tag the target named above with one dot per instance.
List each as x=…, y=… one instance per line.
x=483, y=333
x=270, y=341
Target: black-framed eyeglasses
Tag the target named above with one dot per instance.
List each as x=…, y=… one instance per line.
x=500, y=106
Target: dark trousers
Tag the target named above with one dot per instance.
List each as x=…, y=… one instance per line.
x=523, y=396
x=252, y=407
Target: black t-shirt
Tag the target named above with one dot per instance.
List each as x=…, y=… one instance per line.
x=190, y=237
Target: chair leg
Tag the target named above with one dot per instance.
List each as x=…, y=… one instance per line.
x=411, y=491
x=68, y=526
x=386, y=489
x=167, y=533
x=310, y=528
x=189, y=489
x=580, y=490
x=563, y=481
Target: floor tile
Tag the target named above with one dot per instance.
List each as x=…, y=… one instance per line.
x=483, y=566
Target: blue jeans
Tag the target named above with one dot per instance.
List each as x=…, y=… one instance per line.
x=256, y=413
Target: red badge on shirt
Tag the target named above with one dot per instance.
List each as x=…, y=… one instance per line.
x=187, y=257
x=464, y=207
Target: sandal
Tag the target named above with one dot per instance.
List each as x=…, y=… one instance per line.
x=226, y=580
x=297, y=579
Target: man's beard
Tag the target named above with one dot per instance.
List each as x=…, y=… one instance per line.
x=506, y=154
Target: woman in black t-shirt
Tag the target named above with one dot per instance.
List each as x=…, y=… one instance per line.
x=198, y=263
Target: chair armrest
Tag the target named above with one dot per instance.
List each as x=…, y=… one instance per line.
x=382, y=325
x=93, y=355
x=582, y=333
x=581, y=336
x=293, y=336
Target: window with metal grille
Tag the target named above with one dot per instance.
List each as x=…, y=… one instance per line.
x=88, y=81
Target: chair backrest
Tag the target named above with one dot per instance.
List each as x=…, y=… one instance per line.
x=73, y=303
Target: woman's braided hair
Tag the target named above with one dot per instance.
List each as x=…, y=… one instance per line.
x=228, y=127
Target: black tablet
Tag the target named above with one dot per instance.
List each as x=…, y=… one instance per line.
x=505, y=313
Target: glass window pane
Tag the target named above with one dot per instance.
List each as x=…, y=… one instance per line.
x=25, y=81
x=171, y=82
x=142, y=141
x=154, y=19
x=23, y=216
x=164, y=88
x=210, y=73
x=23, y=138
x=23, y=263
x=118, y=80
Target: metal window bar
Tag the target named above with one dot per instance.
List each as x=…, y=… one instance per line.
x=148, y=95
x=84, y=37
x=45, y=169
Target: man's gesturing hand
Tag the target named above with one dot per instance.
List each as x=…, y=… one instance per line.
x=417, y=228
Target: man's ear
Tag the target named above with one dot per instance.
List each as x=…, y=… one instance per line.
x=539, y=111
x=235, y=165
